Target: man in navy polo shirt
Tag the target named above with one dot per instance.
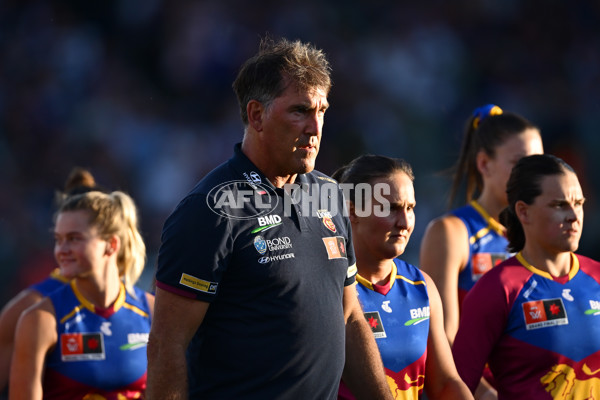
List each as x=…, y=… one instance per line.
x=255, y=293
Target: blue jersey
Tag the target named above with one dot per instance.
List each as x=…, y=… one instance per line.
x=100, y=353
x=540, y=334
x=400, y=322
x=487, y=245
x=54, y=281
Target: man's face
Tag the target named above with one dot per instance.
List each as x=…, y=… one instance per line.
x=292, y=127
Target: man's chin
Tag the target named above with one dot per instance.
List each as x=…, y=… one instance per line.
x=306, y=166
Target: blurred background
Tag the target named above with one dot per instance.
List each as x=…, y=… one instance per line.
x=140, y=93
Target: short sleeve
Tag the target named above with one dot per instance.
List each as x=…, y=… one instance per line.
x=352, y=270
x=195, y=250
x=483, y=319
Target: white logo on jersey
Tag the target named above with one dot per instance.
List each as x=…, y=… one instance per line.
x=535, y=313
x=105, y=328
x=567, y=295
x=386, y=306
x=531, y=289
x=78, y=318
x=72, y=344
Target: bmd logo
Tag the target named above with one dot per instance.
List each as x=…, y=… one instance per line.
x=269, y=220
x=241, y=200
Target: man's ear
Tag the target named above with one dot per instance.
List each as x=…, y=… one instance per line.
x=255, y=111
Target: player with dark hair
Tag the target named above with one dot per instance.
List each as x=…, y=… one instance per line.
x=400, y=302
x=460, y=246
x=535, y=317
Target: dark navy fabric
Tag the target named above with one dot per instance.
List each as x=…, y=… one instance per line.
x=274, y=273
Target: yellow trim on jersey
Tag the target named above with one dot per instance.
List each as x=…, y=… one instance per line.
x=85, y=303
x=572, y=272
x=55, y=274
x=135, y=309
x=393, y=276
x=409, y=281
x=364, y=282
x=492, y=224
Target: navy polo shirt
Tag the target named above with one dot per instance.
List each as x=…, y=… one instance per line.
x=273, y=263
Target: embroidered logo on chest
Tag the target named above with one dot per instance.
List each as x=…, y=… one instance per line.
x=335, y=247
x=483, y=262
x=594, y=308
x=326, y=217
x=544, y=313
x=374, y=320
x=82, y=346
x=417, y=315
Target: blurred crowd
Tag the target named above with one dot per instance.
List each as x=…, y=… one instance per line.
x=140, y=93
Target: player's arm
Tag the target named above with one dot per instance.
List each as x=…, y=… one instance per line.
x=484, y=314
x=35, y=335
x=8, y=323
x=444, y=252
x=441, y=377
x=176, y=319
x=150, y=299
x=363, y=373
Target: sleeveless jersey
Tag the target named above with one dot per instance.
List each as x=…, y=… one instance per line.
x=539, y=334
x=400, y=322
x=487, y=245
x=54, y=281
x=100, y=353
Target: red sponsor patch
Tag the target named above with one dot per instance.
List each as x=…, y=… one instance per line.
x=542, y=313
x=335, y=247
x=374, y=320
x=81, y=346
x=481, y=263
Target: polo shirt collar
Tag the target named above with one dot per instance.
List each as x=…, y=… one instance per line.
x=246, y=168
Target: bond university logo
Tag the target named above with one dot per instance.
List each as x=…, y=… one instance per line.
x=374, y=320
x=544, y=313
x=82, y=346
x=260, y=244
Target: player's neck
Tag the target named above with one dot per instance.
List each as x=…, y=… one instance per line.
x=100, y=291
x=375, y=271
x=557, y=265
x=490, y=204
